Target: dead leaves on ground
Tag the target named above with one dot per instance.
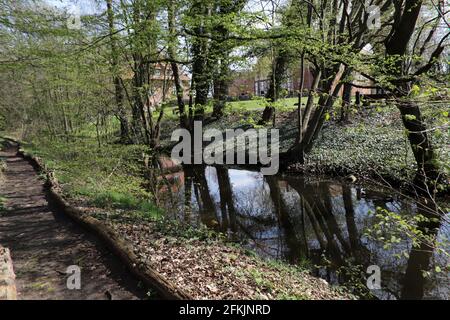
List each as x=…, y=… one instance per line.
x=216, y=270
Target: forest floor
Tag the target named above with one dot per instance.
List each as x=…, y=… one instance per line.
x=207, y=266
x=44, y=243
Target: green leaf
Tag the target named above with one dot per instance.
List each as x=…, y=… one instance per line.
x=415, y=90
x=410, y=117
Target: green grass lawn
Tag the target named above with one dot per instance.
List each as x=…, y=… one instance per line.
x=260, y=103
x=248, y=105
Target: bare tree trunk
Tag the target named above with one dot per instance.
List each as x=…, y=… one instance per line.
x=220, y=89
x=155, y=128
x=121, y=113
x=300, y=96
x=276, y=79
x=184, y=122
x=346, y=100
x=310, y=101
x=313, y=126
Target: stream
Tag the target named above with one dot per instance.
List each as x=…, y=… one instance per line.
x=316, y=223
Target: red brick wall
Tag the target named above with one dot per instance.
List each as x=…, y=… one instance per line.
x=242, y=86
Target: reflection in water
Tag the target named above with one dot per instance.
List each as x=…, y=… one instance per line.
x=290, y=218
x=420, y=257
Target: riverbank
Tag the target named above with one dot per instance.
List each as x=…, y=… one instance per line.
x=371, y=145
x=207, y=267
x=199, y=261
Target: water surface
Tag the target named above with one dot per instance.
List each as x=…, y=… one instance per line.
x=318, y=223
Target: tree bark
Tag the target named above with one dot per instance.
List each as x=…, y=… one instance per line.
x=427, y=170
x=277, y=77
x=171, y=9
x=346, y=100
x=201, y=76
x=118, y=90
x=300, y=96
x=397, y=46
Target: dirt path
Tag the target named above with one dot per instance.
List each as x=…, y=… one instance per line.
x=44, y=243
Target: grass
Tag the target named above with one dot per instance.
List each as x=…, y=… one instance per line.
x=260, y=103
x=357, y=148
x=255, y=104
x=109, y=176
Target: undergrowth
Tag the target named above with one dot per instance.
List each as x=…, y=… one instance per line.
x=109, y=176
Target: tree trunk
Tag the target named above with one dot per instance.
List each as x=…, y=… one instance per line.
x=276, y=80
x=118, y=90
x=397, y=46
x=300, y=96
x=184, y=122
x=346, y=100
x=201, y=76
x=427, y=170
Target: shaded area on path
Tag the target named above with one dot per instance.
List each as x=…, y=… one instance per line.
x=44, y=243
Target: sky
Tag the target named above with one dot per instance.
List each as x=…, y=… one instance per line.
x=81, y=6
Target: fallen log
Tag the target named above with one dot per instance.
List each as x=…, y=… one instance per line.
x=7, y=277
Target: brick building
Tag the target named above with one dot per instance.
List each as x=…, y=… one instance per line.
x=163, y=86
x=247, y=84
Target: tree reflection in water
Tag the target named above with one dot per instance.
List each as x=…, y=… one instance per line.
x=302, y=221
